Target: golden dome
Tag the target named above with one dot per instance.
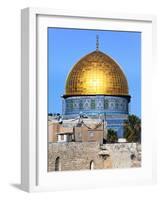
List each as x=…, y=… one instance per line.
x=96, y=74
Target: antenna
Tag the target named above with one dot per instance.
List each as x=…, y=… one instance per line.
x=97, y=42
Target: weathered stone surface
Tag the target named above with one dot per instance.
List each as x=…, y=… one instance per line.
x=79, y=155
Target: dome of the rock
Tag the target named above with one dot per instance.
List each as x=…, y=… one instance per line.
x=96, y=87
x=96, y=74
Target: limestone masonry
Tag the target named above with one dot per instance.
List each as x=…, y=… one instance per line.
x=92, y=155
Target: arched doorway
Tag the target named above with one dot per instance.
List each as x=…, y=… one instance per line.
x=91, y=165
x=57, y=164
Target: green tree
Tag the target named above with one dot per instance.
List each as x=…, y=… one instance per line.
x=132, y=129
x=112, y=136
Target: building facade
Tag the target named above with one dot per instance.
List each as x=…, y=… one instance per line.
x=97, y=87
x=85, y=130
x=78, y=145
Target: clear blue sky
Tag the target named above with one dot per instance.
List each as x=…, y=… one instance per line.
x=67, y=46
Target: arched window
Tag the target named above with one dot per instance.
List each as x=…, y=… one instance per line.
x=91, y=165
x=93, y=104
x=57, y=164
x=106, y=104
x=80, y=105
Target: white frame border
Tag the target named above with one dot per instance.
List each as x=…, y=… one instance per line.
x=29, y=144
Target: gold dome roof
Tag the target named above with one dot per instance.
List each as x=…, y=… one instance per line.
x=96, y=74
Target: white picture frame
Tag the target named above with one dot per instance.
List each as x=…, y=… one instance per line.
x=34, y=176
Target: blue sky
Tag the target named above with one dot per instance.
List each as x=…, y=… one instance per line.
x=67, y=46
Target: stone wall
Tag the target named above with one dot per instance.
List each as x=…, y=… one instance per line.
x=79, y=155
x=53, y=128
x=124, y=155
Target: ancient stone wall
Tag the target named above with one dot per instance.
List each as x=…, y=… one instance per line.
x=80, y=155
x=124, y=155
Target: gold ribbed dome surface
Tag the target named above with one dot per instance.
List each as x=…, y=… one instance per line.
x=96, y=74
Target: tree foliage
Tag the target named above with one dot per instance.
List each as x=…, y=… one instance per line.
x=112, y=136
x=132, y=129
